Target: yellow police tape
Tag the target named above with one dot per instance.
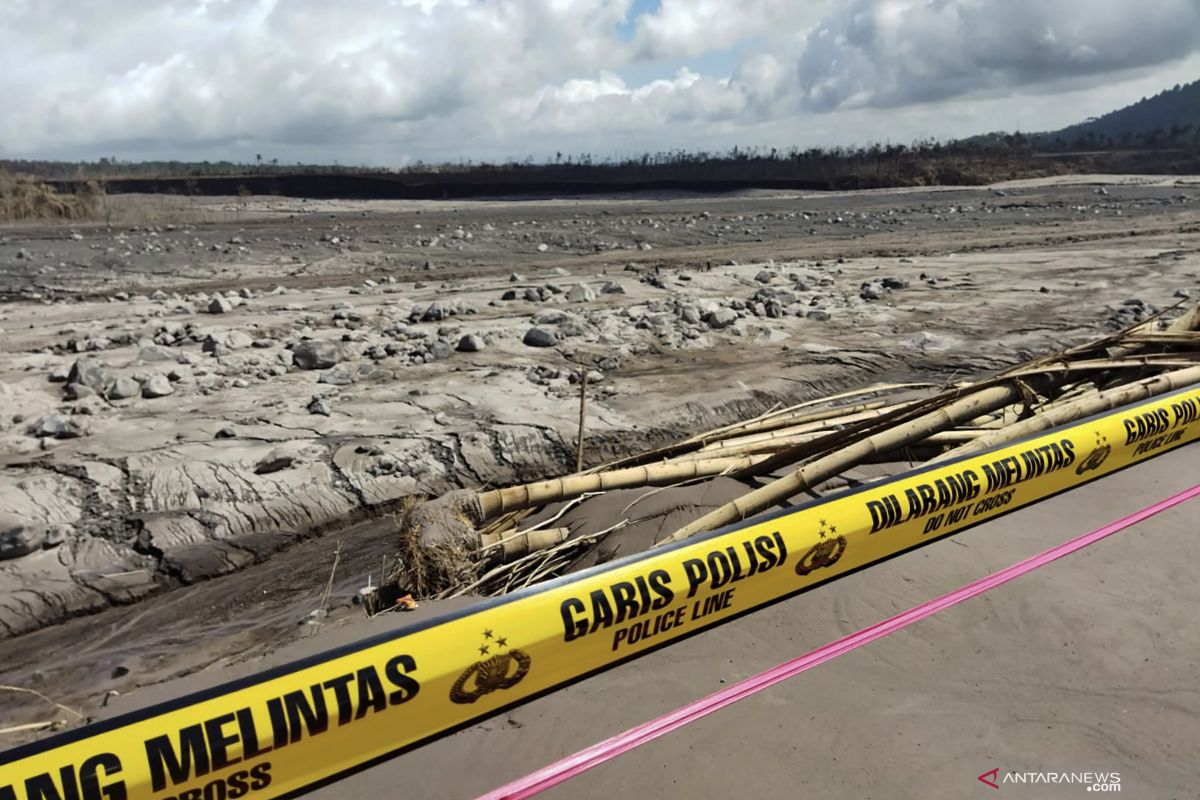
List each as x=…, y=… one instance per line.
x=279, y=732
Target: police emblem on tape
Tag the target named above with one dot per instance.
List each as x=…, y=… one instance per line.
x=824, y=553
x=503, y=670
x=1094, y=459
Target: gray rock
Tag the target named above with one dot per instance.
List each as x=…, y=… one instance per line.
x=894, y=283
x=220, y=305
x=88, y=372
x=764, y=276
x=275, y=461
x=318, y=406
x=471, y=343
x=316, y=355
x=539, y=337
x=157, y=386
x=123, y=388
x=871, y=291
x=818, y=315
x=56, y=426
x=511, y=294
x=59, y=374
x=19, y=537
x=551, y=316
x=435, y=312
x=613, y=288
x=78, y=391
x=221, y=343
x=55, y=535
x=153, y=353
x=338, y=376
x=580, y=294
x=690, y=315
x=439, y=350
x=721, y=318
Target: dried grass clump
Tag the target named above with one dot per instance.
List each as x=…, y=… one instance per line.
x=23, y=199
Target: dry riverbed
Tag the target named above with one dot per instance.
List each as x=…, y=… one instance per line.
x=210, y=394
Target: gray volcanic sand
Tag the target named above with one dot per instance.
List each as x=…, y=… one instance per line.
x=198, y=529
x=1086, y=664
x=249, y=455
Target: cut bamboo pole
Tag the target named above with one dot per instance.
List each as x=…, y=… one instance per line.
x=582, y=418
x=694, y=443
x=948, y=416
x=829, y=423
x=952, y=437
x=1078, y=409
x=529, y=495
x=747, y=425
x=1188, y=321
x=518, y=544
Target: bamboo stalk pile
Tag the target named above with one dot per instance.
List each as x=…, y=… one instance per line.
x=473, y=542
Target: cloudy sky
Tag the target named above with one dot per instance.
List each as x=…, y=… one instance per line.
x=386, y=82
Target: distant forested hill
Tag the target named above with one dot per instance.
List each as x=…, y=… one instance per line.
x=1170, y=118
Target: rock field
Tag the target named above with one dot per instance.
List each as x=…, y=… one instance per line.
x=191, y=393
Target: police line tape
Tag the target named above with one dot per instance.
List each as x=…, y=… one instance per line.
x=288, y=729
x=588, y=758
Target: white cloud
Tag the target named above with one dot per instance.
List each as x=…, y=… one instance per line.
x=379, y=81
x=894, y=52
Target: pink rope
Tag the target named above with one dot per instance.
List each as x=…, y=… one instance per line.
x=585, y=759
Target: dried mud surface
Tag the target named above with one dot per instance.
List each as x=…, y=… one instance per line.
x=208, y=501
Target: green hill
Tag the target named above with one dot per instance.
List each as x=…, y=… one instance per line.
x=1169, y=119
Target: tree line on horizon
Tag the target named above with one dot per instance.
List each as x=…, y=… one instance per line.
x=1156, y=134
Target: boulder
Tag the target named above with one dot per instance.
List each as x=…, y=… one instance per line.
x=316, y=355
x=122, y=389
x=19, y=537
x=317, y=405
x=338, y=376
x=871, y=291
x=274, y=461
x=154, y=352
x=471, y=343
x=551, y=316
x=55, y=426
x=157, y=386
x=220, y=305
x=580, y=294
x=436, y=312
x=539, y=337
x=721, y=318
x=87, y=371
x=78, y=391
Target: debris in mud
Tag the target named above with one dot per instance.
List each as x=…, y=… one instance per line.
x=468, y=541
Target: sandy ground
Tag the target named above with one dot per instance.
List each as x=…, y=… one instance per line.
x=150, y=443
x=212, y=513
x=1086, y=664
